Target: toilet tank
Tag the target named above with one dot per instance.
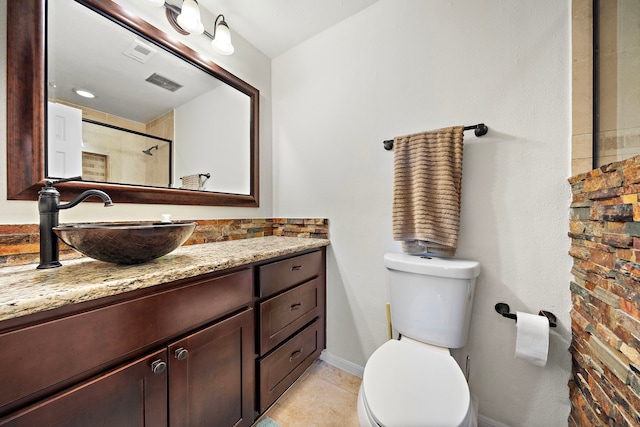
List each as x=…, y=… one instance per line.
x=431, y=298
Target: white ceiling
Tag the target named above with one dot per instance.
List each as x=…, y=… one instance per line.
x=94, y=61
x=275, y=26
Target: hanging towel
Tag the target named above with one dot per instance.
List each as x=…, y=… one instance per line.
x=426, y=191
x=193, y=182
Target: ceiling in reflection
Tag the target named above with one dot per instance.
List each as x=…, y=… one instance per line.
x=112, y=65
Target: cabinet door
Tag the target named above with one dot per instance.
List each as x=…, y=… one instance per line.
x=73, y=348
x=211, y=375
x=132, y=395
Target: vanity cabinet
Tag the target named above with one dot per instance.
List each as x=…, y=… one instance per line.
x=213, y=350
x=183, y=355
x=290, y=321
x=130, y=395
x=211, y=375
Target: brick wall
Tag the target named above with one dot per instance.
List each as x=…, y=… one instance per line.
x=20, y=244
x=605, y=234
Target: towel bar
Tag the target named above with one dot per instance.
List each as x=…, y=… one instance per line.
x=480, y=129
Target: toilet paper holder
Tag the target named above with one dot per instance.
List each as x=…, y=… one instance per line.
x=503, y=309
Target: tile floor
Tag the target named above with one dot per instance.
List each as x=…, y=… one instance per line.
x=323, y=396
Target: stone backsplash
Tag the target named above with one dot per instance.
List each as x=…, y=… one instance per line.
x=20, y=244
x=605, y=234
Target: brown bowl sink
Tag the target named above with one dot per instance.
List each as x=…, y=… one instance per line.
x=125, y=242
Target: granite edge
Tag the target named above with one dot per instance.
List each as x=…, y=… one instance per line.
x=32, y=295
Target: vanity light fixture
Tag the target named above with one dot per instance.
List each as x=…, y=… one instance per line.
x=83, y=93
x=186, y=20
x=221, y=42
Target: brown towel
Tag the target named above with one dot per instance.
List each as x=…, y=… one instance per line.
x=192, y=182
x=426, y=191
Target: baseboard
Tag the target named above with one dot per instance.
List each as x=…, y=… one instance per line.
x=341, y=363
x=484, y=421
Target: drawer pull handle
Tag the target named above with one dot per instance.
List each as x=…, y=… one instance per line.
x=295, y=355
x=295, y=306
x=296, y=268
x=181, y=353
x=158, y=367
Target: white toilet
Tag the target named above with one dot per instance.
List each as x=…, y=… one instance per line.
x=415, y=381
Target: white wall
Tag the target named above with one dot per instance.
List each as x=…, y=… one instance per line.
x=403, y=66
x=213, y=130
x=247, y=63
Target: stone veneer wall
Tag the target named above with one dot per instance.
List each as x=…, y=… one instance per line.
x=605, y=233
x=20, y=244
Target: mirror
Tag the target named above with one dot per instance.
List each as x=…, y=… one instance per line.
x=28, y=161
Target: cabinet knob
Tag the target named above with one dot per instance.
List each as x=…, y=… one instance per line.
x=296, y=268
x=181, y=353
x=295, y=355
x=295, y=306
x=158, y=366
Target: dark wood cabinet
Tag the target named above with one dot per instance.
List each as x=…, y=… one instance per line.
x=208, y=373
x=82, y=344
x=192, y=346
x=206, y=377
x=215, y=350
x=131, y=395
x=291, y=321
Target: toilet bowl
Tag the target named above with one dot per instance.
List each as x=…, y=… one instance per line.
x=415, y=381
x=407, y=383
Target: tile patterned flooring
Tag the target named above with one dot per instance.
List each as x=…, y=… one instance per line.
x=323, y=396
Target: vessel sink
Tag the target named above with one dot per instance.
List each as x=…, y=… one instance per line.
x=125, y=242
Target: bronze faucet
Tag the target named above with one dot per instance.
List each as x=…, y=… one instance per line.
x=48, y=206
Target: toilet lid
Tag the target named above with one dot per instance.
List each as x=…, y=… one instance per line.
x=405, y=384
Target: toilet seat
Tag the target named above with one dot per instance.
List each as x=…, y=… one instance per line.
x=409, y=384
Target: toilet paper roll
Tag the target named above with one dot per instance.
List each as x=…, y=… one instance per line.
x=532, y=338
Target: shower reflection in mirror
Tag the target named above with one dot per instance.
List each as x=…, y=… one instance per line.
x=103, y=152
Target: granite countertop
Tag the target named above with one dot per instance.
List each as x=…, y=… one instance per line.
x=26, y=290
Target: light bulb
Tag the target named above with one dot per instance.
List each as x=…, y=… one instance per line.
x=222, y=42
x=84, y=93
x=189, y=18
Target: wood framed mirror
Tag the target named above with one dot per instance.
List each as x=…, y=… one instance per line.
x=26, y=111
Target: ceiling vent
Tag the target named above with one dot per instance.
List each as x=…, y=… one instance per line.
x=139, y=51
x=163, y=82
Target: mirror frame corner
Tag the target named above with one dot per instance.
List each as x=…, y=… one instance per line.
x=26, y=117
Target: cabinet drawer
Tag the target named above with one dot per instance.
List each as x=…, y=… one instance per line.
x=278, y=276
x=284, y=314
x=50, y=355
x=281, y=368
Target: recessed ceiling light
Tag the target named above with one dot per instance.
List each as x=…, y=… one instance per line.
x=84, y=93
